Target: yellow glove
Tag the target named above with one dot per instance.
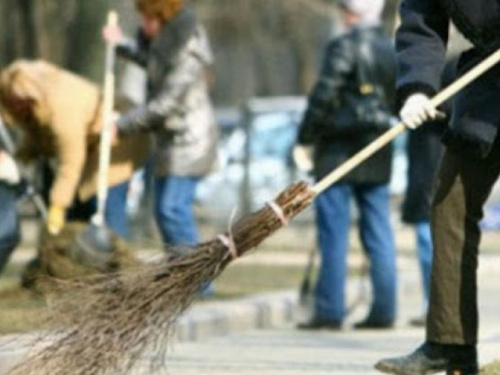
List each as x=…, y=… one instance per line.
x=56, y=218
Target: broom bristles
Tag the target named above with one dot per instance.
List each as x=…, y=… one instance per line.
x=105, y=324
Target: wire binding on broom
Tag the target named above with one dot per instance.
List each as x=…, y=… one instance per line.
x=229, y=243
x=227, y=239
x=278, y=211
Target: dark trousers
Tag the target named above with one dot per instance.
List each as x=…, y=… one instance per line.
x=115, y=210
x=9, y=223
x=463, y=185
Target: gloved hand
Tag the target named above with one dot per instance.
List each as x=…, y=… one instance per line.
x=303, y=157
x=9, y=172
x=113, y=34
x=113, y=128
x=419, y=109
x=56, y=219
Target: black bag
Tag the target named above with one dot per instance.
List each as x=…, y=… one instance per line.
x=361, y=110
x=361, y=106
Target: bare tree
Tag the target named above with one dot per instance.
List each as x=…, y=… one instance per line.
x=262, y=47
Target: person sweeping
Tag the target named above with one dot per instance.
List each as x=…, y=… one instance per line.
x=470, y=167
x=173, y=48
x=349, y=107
x=58, y=112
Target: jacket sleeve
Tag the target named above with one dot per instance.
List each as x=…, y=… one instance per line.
x=337, y=65
x=154, y=114
x=421, y=43
x=134, y=49
x=71, y=155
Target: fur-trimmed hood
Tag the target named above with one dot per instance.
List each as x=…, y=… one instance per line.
x=27, y=80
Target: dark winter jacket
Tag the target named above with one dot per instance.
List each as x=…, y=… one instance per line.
x=178, y=107
x=424, y=150
x=365, y=50
x=421, y=44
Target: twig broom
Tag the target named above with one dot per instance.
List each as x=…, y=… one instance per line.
x=107, y=323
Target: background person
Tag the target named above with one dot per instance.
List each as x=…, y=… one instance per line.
x=349, y=108
x=173, y=48
x=59, y=114
x=470, y=167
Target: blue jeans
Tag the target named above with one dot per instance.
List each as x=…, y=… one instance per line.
x=333, y=220
x=115, y=212
x=424, y=252
x=174, y=214
x=9, y=223
x=174, y=210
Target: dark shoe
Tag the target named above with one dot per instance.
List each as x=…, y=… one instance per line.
x=431, y=358
x=418, y=321
x=370, y=324
x=463, y=370
x=319, y=323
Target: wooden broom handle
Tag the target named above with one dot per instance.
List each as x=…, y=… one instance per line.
x=392, y=133
x=107, y=118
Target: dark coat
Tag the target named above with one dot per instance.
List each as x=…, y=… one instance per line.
x=424, y=150
x=333, y=146
x=421, y=44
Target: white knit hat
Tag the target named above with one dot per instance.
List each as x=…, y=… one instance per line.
x=370, y=11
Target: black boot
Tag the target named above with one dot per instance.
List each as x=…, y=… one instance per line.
x=371, y=324
x=431, y=358
x=319, y=323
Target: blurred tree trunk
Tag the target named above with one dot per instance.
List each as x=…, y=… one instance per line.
x=65, y=32
x=19, y=36
x=85, y=53
x=27, y=14
x=391, y=16
x=262, y=47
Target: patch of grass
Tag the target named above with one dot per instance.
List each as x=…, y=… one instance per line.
x=491, y=369
x=241, y=280
x=23, y=311
x=20, y=310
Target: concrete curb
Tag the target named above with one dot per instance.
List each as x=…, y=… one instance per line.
x=221, y=318
x=201, y=322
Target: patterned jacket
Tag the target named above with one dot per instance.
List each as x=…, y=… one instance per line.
x=178, y=108
x=341, y=64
